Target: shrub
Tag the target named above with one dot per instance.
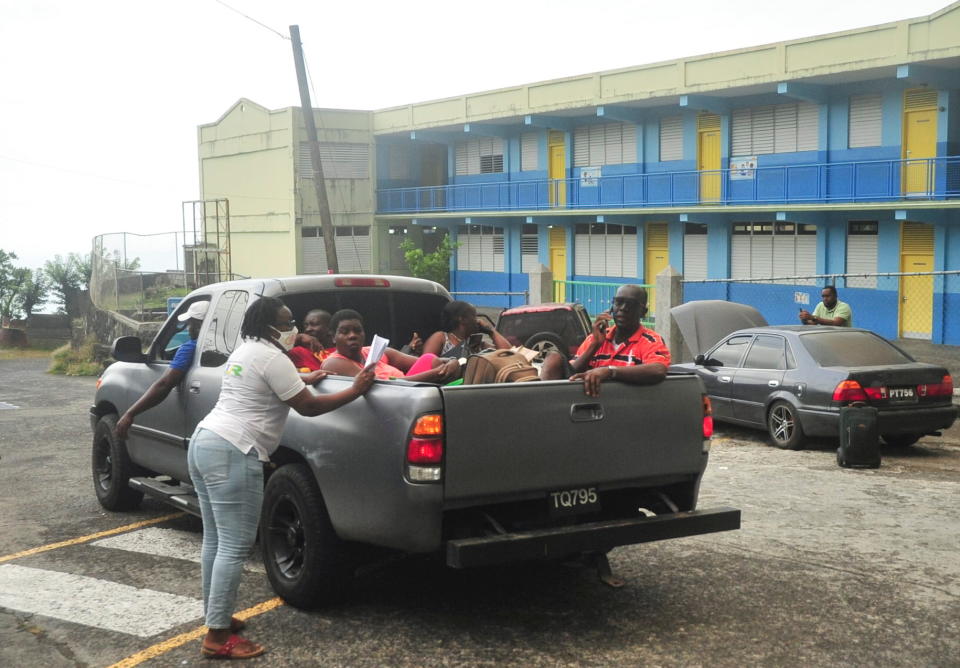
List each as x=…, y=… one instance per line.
x=82, y=361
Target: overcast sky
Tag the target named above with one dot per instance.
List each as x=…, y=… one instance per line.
x=100, y=99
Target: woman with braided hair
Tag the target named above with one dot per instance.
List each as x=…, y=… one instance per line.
x=227, y=452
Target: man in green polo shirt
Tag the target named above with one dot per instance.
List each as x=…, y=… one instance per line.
x=830, y=311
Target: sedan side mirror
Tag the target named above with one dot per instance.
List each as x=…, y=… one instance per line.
x=699, y=360
x=703, y=360
x=127, y=349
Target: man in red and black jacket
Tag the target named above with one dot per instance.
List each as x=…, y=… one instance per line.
x=628, y=351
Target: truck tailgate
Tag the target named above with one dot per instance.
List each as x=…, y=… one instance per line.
x=512, y=440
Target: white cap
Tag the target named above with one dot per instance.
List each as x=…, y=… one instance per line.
x=197, y=310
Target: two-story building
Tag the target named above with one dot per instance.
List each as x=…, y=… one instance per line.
x=825, y=156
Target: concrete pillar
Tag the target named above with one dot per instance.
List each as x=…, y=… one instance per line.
x=541, y=285
x=669, y=294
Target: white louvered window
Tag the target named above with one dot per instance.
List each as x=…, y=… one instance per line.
x=529, y=152
x=604, y=144
x=767, y=250
x=339, y=160
x=694, y=252
x=483, y=155
x=605, y=250
x=862, y=253
x=781, y=128
x=481, y=248
x=671, y=138
x=866, y=117
x=353, y=249
x=529, y=248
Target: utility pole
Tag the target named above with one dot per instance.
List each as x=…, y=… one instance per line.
x=326, y=220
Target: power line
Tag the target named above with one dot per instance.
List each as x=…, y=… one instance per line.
x=262, y=25
x=152, y=186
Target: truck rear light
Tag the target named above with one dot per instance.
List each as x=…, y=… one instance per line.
x=707, y=422
x=361, y=283
x=942, y=389
x=849, y=390
x=430, y=424
x=425, y=449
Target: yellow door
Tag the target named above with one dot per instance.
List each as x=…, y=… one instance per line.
x=557, y=169
x=657, y=248
x=708, y=156
x=916, y=292
x=558, y=262
x=919, y=141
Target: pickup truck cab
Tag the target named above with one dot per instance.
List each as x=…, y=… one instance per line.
x=478, y=473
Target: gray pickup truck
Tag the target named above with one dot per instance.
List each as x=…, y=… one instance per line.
x=481, y=474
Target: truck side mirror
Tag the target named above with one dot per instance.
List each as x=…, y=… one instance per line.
x=127, y=349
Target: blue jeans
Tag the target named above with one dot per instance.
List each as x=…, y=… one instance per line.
x=229, y=486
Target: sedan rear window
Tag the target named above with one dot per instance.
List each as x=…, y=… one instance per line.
x=851, y=349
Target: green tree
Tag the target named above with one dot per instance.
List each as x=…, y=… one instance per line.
x=34, y=292
x=8, y=282
x=433, y=266
x=67, y=275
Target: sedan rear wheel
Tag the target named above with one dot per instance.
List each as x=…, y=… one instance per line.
x=784, y=427
x=900, y=440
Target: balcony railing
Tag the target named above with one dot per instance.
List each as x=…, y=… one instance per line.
x=863, y=181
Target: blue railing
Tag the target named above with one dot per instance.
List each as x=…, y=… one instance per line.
x=863, y=181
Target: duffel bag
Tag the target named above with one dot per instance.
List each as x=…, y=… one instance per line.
x=498, y=366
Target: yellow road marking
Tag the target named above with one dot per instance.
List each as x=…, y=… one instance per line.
x=86, y=539
x=154, y=651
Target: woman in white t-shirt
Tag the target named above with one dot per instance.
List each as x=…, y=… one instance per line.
x=227, y=451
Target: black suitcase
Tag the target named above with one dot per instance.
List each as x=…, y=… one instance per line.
x=859, y=438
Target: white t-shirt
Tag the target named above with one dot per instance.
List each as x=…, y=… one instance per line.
x=250, y=413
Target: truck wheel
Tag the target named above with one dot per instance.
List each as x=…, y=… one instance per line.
x=112, y=468
x=545, y=342
x=306, y=563
x=900, y=440
x=784, y=427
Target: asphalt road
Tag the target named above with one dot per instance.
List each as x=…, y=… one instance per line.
x=832, y=567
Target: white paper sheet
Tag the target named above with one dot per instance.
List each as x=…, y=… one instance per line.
x=377, y=347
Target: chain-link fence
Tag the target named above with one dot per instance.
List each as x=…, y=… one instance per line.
x=138, y=274
x=913, y=305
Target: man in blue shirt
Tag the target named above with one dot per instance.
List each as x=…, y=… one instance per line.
x=181, y=363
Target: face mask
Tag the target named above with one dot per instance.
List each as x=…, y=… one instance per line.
x=286, y=339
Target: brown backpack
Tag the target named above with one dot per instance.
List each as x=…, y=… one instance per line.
x=498, y=366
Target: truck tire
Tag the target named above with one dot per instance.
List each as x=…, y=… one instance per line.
x=306, y=562
x=112, y=468
x=545, y=342
x=784, y=427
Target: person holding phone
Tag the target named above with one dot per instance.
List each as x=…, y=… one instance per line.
x=458, y=326
x=830, y=311
x=626, y=351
